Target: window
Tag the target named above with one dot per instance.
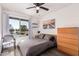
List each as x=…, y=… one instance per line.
x=18, y=26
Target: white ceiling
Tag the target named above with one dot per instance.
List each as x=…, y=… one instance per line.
x=21, y=7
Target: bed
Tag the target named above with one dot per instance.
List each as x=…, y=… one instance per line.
x=33, y=47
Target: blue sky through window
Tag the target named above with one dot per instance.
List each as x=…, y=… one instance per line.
x=14, y=23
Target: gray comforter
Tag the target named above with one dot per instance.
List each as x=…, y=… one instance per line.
x=34, y=47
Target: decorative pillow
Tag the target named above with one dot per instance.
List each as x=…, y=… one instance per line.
x=52, y=38
x=37, y=36
x=47, y=37
x=41, y=36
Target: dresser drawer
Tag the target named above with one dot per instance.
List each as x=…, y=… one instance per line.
x=68, y=30
x=71, y=36
x=67, y=41
x=67, y=50
x=69, y=46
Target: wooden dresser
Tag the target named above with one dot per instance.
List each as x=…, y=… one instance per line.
x=68, y=40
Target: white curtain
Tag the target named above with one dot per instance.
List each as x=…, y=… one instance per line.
x=30, y=30
x=5, y=24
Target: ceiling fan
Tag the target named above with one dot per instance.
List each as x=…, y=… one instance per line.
x=38, y=6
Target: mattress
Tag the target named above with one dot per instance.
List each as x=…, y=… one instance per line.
x=31, y=47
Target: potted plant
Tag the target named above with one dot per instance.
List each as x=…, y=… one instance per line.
x=23, y=29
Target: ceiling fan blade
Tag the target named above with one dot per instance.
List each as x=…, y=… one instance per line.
x=42, y=3
x=31, y=7
x=37, y=11
x=38, y=4
x=44, y=8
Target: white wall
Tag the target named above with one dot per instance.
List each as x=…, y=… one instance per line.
x=16, y=14
x=66, y=17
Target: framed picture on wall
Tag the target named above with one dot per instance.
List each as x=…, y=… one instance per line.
x=49, y=24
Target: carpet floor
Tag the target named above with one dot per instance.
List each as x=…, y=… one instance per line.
x=52, y=52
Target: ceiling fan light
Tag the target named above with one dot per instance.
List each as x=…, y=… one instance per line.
x=37, y=8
